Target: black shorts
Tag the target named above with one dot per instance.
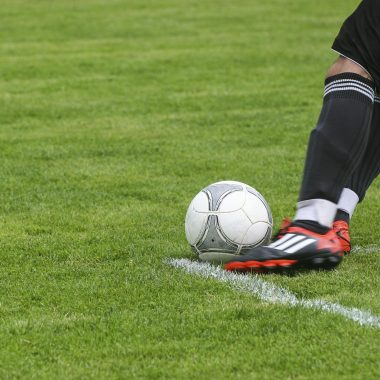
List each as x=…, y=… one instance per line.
x=359, y=38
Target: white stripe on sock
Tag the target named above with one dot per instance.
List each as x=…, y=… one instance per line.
x=349, y=85
x=349, y=81
x=349, y=89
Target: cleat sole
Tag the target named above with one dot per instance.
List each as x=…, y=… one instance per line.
x=260, y=266
x=285, y=266
x=318, y=260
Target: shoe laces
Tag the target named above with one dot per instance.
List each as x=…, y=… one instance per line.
x=285, y=224
x=340, y=226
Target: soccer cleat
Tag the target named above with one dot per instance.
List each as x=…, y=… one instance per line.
x=299, y=248
x=339, y=226
x=285, y=224
x=341, y=229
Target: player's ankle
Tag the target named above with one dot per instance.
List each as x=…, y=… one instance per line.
x=342, y=215
x=320, y=211
x=311, y=225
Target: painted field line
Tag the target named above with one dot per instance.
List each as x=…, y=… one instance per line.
x=272, y=293
x=367, y=249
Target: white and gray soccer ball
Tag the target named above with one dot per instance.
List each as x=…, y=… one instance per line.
x=225, y=219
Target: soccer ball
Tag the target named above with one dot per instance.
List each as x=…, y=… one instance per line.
x=226, y=219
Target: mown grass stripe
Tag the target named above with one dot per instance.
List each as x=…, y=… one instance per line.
x=272, y=293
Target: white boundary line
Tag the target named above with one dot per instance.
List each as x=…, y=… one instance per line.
x=272, y=293
x=365, y=249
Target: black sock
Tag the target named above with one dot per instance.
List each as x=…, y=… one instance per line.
x=342, y=215
x=311, y=225
x=339, y=140
x=369, y=167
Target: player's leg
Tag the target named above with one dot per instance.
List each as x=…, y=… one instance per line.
x=369, y=167
x=357, y=185
x=359, y=182
x=336, y=147
x=358, y=41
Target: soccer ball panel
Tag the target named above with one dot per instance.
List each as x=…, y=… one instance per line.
x=196, y=218
x=219, y=190
x=256, y=194
x=213, y=239
x=255, y=209
x=232, y=201
x=200, y=203
x=256, y=234
x=234, y=225
x=217, y=257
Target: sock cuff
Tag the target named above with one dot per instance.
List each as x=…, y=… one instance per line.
x=350, y=85
x=377, y=99
x=352, y=76
x=317, y=210
x=348, y=201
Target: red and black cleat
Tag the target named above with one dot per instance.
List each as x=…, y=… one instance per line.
x=285, y=224
x=341, y=229
x=298, y=248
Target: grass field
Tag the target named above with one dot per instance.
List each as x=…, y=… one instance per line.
x=113, y=115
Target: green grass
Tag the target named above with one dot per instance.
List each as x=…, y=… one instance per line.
x=113, y=115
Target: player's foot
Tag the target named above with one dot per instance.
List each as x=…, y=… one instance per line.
x=298, y=248
x=341, y=229
x=339, y=226
x=285, y=224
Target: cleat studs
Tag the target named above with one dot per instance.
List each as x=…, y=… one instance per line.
x=318, y=260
